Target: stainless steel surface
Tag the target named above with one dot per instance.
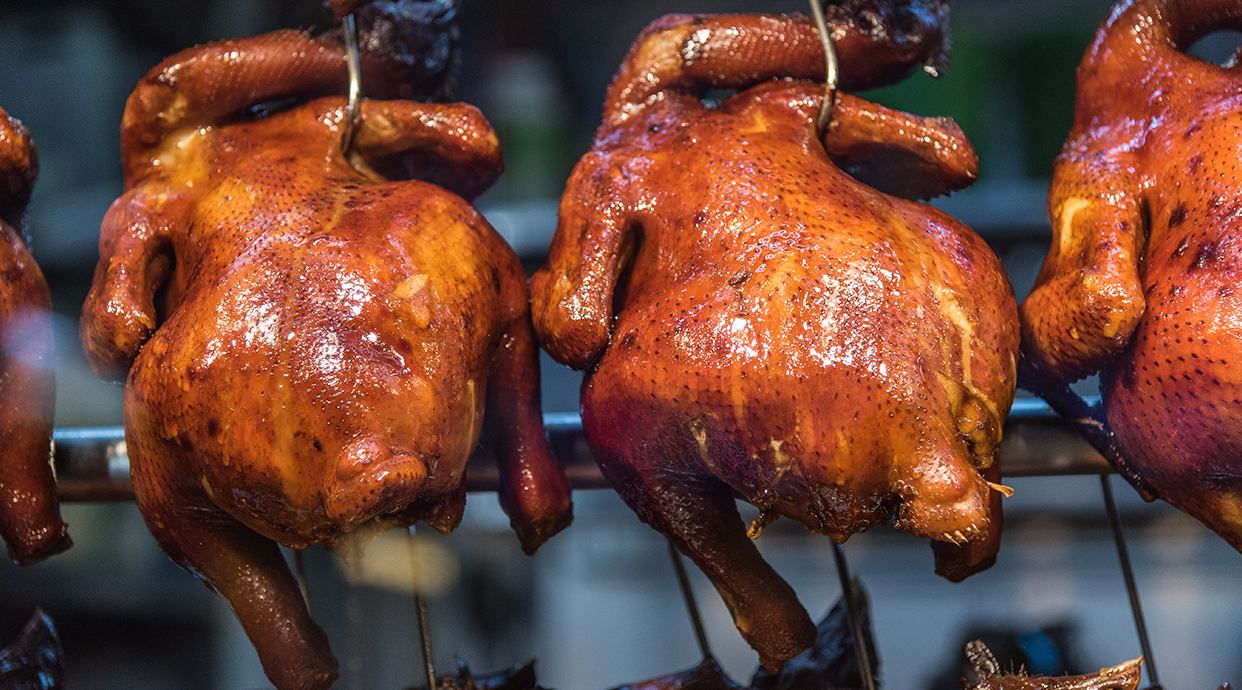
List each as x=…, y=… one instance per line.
x=92, y=465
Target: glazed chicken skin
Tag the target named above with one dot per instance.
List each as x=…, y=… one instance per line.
x=312, y=342
x=30, y=519
x=757, y=323
x=1141, y=280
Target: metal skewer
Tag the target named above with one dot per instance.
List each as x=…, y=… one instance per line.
x=353, y=63
x=831, y=72
x=861, y=649
x=420, y=605
x=1127, y=573
x=353, y=614
x=692, y=606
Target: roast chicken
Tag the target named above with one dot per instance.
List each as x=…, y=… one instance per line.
x=757, y=323
x=1141, y=280
x=30, y=519
x=311, y=341
x=990, y=676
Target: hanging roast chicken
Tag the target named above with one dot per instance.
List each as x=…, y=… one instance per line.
x=756, y=322
x=312, y=342
x=29, y=514
x=1141, y=281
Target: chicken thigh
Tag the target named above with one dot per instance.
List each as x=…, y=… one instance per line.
x=30, y=519
x=1141, y=280
x=757, y=323
x=313, y=340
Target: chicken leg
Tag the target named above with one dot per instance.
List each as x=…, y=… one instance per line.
x=30, y=519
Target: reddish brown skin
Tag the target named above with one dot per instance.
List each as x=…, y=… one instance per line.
x=1124, y=676
x=312, y=343
x=757, y=323
x=30, y=519
x=1141, y=281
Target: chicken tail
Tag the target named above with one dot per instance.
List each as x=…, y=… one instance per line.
x=370, y=479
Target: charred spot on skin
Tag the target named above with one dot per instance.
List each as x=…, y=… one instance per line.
x=1208, y=254
x=700, y=217
x=740, y=277
x=1178, y=216
x=213, y=427
x=1181, y=248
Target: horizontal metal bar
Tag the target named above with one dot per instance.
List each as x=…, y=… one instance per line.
x=92, y=464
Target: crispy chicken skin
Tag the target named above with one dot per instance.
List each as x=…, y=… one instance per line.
x=1124, y=676
x=313, y=344
x=30, y=519
x=757, y=323
x=1141, y=280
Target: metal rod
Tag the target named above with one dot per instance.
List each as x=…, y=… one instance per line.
x=420, y=605
x=92, y=464
x=1127, y=573
x=1085, y=416
x=692, y=606
x=830, y=66
x=353, y=614
x=861, y=649
x=353, y=63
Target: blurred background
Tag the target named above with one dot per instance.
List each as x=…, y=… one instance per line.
x=598, y=606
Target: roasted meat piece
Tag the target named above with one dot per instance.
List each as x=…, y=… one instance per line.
x=990, y=677
x=1141, y=280
x=310, y=341
x=830, y=664
x=30, y=519
x=755, y=322
x=34, y=660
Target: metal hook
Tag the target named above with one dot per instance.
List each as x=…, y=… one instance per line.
x=353, y=64
x=420, y=604
x=1127, y=573
x=831, y=73
x=687, y=595
x=862, y=651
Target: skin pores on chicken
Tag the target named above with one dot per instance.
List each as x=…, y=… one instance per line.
x=314, y=343
x=1141, y=280
x=757, y=323
x=30, y=519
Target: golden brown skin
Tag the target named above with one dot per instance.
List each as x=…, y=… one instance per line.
x=1141, y=280
x=757, y=323
x=1124, y=676
x=30, y=519
x=312, y=343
